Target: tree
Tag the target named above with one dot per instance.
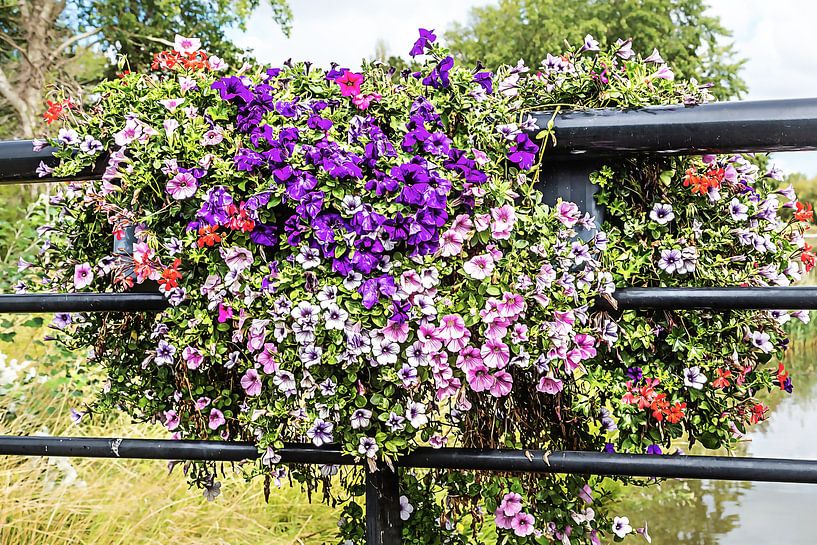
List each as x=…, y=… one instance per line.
x=65, y=41
x=689, y=39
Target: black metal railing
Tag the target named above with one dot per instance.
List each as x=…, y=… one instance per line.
x=583, y=139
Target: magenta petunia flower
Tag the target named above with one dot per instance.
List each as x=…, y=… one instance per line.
x=503, y=384
x=549, y=385
x=224, y=313
x=495, y=354
x=216, y=419
x=452, y=326
x=522, y=524
x=479, y=267
x=172, y=103
x=182, y=186
x=511, y=504
x=349, y=83
x=502, y=520
x=172, y=420
x=83, y=276
x=251, y=382
x=479, y=378
x=192, y=357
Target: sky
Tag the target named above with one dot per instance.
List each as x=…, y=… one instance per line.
x=774, y=35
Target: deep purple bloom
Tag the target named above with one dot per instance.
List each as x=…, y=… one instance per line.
x=635, y=373
x=264, y=234
x=438, y=77
x=232, y=88
x=654, y=449
x=427, y=37
x=523, y=152
x=485, y=79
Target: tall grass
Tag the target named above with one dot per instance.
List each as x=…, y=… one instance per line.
x=77, y=501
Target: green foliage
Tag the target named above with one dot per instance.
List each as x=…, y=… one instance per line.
x=685, y=35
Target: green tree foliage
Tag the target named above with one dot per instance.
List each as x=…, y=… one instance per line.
x=134, y=27
x=687, y=37
x=69, y=43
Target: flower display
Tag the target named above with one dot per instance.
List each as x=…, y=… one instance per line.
x=364, y=258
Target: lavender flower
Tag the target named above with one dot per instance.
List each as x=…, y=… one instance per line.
x=670, y=261
x=694, y=378
x=321, y=432
x=662, y=213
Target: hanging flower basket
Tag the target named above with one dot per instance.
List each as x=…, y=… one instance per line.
x=381, y=260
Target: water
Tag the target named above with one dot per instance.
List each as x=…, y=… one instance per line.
x=729, y=513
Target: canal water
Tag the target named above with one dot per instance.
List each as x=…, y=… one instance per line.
x=729, y=513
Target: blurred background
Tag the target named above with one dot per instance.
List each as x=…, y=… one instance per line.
x=749, y=49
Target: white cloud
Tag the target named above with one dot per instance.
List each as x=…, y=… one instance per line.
x=775, y=36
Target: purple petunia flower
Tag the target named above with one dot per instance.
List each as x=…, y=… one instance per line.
x=251, y=382
x=164, y=353
x=523, y=153
x=61, y=320
x=662, y=213
x=427, y=37
x=485, y=80
x=321, y=432
x=368, y=447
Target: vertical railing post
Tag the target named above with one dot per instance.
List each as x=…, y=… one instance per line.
x=382, y=506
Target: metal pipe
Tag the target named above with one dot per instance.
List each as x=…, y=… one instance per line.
x=733, y=298
x=721, y=127
x=19, y=162
x=769, y=298
x=535, y=461
x=82, y=302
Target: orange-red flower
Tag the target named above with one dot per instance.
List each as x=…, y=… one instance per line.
x=56, y=110
x=782, y=375
x=808, y=259
x=168, y=60
x=170, y=276
x=208, y=236
x=723, y=378
x=676, y=413
x=804, y=212
x=701, y=183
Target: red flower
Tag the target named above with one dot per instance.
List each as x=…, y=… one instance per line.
x=804, y=212
x=239, y=219
x=56, y=110
x=208, y=236
x=723, y=378
x=758, y=413
x=676, y=413
x=170, y=276
x=782, y=375
x=808, y=260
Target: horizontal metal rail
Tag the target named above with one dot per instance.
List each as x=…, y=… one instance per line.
x=770, y=298
x=18, y=164
x=724, y=127
x=531, y=461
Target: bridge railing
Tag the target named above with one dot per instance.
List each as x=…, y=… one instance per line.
x=583, y=140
